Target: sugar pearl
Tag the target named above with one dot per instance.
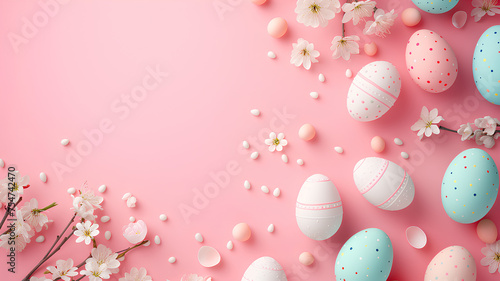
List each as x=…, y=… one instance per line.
x=157, y=240
x=348, y=73
x=398, y=141
x=64, y=142
x=255, y=112
x=246, y=145
x=264, y=189
x=339, y=149
x=254, y=155
x=71, y=190
x=314, y=95
x=43, y=177
x=271, y=54
x=163, y=217
x=300, y=162
x=172, y=259
x=270, y=228
x=276, y=192
x=2, y=163
x=107, y=235
x=132, y=219
x=247, y=185
x=284, y=158
x=321, y=77
x=146, y=244
x=105, y=218
x=198, y=237
x=405, y=155
x=102, y=188
x=229, y=245
x=40, y=239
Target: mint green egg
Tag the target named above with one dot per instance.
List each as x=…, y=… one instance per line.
x=367, y=255
x=486, y=64
x=470, y=186
x=435, y=6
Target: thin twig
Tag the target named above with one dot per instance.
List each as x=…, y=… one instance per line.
x=7, y=211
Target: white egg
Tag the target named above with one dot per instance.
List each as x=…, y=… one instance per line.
x=102, y=188
x=157, y=240
x=284, y=158
x=264, y=269
x=247, y=185
x=43, y=177
x=198, y=237
x=319, y=208
x=383, y=183
x=276, y=192
x=270, y=228
x=229, y=245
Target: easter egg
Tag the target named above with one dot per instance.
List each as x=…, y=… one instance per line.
x=470, y=186
x=264, y=269
x=431, y=61
x=435, y=6
x=452, y=263
x=319, y=208
x=367, y=255
x=383, y=183
x=487, y=231
x=486, y=64
x=373, y=91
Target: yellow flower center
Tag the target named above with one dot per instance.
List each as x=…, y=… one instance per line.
x=315, y=8
x=276, y=141
x=87, y=232
x=429, y=124
x=497, y=257
x=305, y=52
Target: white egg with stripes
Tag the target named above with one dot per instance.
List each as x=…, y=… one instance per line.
x=383, y=183
x=319, y=208
x=373, y=91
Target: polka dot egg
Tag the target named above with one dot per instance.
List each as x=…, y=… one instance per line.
x=373, y=91
x=486, y=64
x=470, y=186
x=435, y=6
x=431, y=62
x=452, y=263
x=367, y=255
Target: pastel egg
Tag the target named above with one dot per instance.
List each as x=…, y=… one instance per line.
x=486, y=64
x=373, y=91
x=435, y=6
x=452, y=263
x=264, y=269
x=411, y=17
x=383, y=183
x=306, y=258
x=367, y=253
x=259, y=2
x=277, y=27
x=242, y=232
x=307, y=132
x=431, y=61
x=470, y=186
x=370, y=49
x=319, y=208
x=378, y=144
x=487, y=231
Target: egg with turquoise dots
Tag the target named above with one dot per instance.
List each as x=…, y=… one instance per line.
x=435, y=6
x=486, y=64
x=470, y=186
x=367, y=255
x=452, y=263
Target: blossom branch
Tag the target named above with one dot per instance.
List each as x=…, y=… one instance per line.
x=125, y=251
x=7, y=211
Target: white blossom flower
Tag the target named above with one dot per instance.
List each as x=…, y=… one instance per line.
x=86, y=232
x=483, y=7
x=131, y=200
x=85, y=203
x=316, y=12
x=135, y=232
x=95, y=271
x=136, y=275
x=382, y=24
x=34, y=216
x=63, y=269
x=465, y=131
x=20, y=242
x=483, y=139
x=104, y=255
x=21, y=227
x=345, y=46
x=488, y=124
x=492, y=257
x=193, y=277
x=303, y=53
x=276, y=142
x=17, y=184
x=358, y=10
x=427, y=123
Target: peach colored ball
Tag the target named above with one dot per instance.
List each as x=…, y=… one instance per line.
x=242, y=232
x=487, y=231
x=378, y=144
x=259, y=2
x=307, y=132
x=371, y=49
x=411, y=17
x=277, y=27
x=306, y=258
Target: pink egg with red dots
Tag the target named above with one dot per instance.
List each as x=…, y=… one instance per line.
x=452, y=263
x=373, y=91
x=431, y=61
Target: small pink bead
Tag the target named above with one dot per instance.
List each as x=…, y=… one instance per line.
x=277, y=27
x=306, y=258
x=307, y=132
x=371, y=49
x=259, y=2
x=378, y=144
x=411, y=17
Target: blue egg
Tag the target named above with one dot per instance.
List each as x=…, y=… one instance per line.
x=470, y=186
x=486, y=64
x=435, y=6
x=367, y=255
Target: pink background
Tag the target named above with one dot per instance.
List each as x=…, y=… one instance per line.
x=71, y=74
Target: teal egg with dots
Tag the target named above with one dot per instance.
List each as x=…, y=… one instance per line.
x=470, y=186
x=366, y=256
x=435, y=6
x=486, y=64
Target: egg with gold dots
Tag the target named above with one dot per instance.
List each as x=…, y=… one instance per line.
x=435, y=6
x=486, y=64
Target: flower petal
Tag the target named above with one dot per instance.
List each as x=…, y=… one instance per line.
x=272, y=135
x=272, y=148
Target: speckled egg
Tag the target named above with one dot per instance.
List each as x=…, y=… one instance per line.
x=264, y=269
x=383, y=183
x=470, y=186
x=431, y=61
x=319, y=208
x=452, y=263
x=486, y=64
x=373, y=91
x=367, y=255
x=435, y=6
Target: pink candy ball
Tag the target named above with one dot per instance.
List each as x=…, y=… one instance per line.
x=411, y=17
x=378, y=144
x=371, y=49
x=259, y=2
x=277, y=27
x=307, y=132
x=487, y=231
x=242, y=232
x=306, y=258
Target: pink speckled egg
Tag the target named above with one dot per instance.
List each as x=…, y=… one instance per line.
x=277, y=27
x=373, y=91
x=452, y=263
x=431, y=61
x=487, y=231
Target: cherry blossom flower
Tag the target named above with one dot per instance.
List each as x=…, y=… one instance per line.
x=427, y=123
x=34, y=216
x=18, y=185
x=276, y=142
x=316, y=12
x=465, y=131
x=303, y=53
x=135, y=232
x=131, y=200
x=358, y=10
x=483, y=7
x=382, y=24
x=492, y=257
x=344, y=46
x=104, y=255
x=63, y=269
x=136, y=275
x=86, y=202
x=86, y=232
x=95, y=271
x=194, y=277
x=20, y=242
x=488, y=124
x=483, y=139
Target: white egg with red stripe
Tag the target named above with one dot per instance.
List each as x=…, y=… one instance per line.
x=319, y=208
x=383, y=183
x=373, y=91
